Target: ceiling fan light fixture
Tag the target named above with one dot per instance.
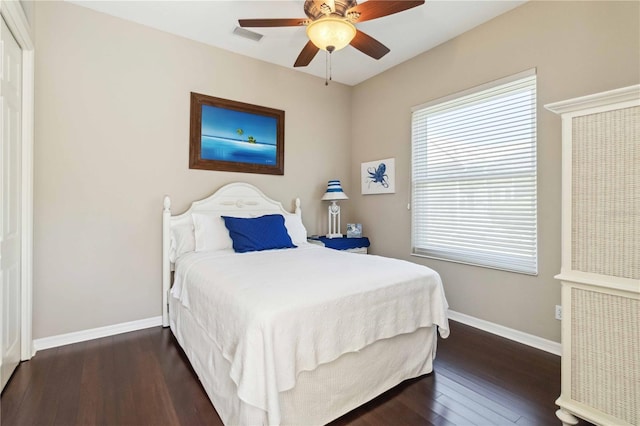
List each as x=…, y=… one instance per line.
x=330, y=31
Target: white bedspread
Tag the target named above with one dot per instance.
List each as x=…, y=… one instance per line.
x=276, y=313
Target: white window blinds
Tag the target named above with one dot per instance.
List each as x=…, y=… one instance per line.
x=474, y=176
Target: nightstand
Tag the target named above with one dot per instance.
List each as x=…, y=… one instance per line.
x=352, y=245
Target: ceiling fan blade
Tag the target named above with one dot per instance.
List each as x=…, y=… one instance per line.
x=308, y=53
x=369, y=45
x=273, y=22
x=373, y=9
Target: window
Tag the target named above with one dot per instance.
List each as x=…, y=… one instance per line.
x=474, y=176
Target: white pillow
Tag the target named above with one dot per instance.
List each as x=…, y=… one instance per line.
x=182, y=241
x=295, y=228
x=210, y=232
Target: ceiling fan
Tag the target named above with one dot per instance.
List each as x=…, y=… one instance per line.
x=330, y=25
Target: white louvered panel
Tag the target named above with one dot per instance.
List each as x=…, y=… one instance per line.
x=605, y=353
x=606, y=193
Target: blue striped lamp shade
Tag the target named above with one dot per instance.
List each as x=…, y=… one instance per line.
x=334, y=191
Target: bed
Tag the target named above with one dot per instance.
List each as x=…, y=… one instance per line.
x=295, y=335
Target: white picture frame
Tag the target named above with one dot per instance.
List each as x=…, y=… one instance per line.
x=354, y=230
x=378, y=177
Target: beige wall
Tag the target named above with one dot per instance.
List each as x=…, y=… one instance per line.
x=111, y=138
x=112, y=125
x=578, y=48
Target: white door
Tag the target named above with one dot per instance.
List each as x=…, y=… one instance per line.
x=10, y=201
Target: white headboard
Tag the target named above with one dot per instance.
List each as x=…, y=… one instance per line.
x=234, y=198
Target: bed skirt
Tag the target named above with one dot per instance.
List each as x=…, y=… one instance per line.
x=321, y=395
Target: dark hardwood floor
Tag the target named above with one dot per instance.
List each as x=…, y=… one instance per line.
x=143, y=378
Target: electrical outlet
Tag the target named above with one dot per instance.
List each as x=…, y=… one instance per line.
x=558, y=312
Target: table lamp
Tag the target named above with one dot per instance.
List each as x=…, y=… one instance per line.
x=334, y=193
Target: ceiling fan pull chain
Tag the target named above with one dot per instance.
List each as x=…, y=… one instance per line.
x=326, y=68
x=330, y=66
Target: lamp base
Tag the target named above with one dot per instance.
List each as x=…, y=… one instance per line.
x=334, y=220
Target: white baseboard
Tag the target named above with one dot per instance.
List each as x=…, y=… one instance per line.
x=508, y=333
x=125, y=327
x=94, y=333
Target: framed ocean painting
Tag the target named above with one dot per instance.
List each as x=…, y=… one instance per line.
x=235, y=137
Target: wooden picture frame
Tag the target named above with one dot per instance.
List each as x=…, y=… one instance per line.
x=234, y=136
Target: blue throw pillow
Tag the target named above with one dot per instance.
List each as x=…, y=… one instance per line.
x=260, y=233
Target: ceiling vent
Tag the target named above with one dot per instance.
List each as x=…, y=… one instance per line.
x=247, y=34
